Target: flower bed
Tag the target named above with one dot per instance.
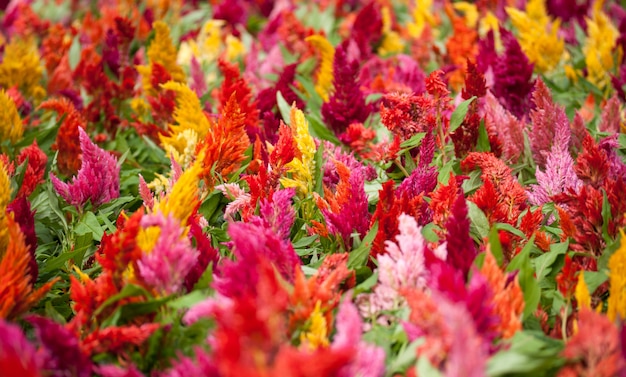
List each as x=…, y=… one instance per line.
x=294, y=188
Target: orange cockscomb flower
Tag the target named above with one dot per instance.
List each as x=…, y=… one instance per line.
x=508, y=298
x=461, y=46
x=17, y=294
x=225, y=144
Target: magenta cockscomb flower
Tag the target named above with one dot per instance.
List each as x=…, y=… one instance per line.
x=172, y=257
x=347, y=104
x=97, y=181
x=278, y=214
x=60, y=349
x=346, y=211
x=198, y=82
x=17, y=356
x=369, y=360
x=117, y=371
x=251, y=243
x=461, y=248
x=334, y=153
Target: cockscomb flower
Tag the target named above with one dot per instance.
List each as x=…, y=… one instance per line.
x=67, y=142
x=601, y=38
x=222, y=150
x=507, y=297
x=611, y=118
x=301, y=168
x=192, y=124
x=398, y=73
x=595, y=350
x=35, y=170
x=347, y=104
x=333, y=153
x=17, y=293
x=5, y=199
x=546, y=118
x=278, y=213
x=324, y=76
x=235, y=85
x=617, y=282
x=346, y=209
x=461, y=46
x=400, y=268
x=240, y=199
x=11, y=127
x=369, y=360
x=18, y=357
x=161, y=51
x=510, y=130
x=22, y=67
x=538, y=35
x=97, y=181
x=182, y=201
x=171, y=257
x=460, y=246
x=513, y=77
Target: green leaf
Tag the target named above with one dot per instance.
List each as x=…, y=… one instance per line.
x=414, y=141
x=406, y=356
x=511, y=229
x=459, y=114
x=188, y=300
x=74, y=53
x=305, y=241
x=358, y=256
x=90, y=224
x=479, y=224
x=318, y=173
x=129, y=290
x=483, y=144
x=594, y=279
x=495, y=245
x=320, y=131
x=606, y=217
x=283, y=107
x=544, y=262
x=526, y=278
x=530, y=354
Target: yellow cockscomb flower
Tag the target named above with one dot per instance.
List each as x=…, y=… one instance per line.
x=538, y=35
x=147, y=238
x=392, y=43
x=234, y=48
x=324, y=77
x=601, y=38
x=422, y=16
x=11, y=127
x=301, y=168
x=183, y=198
x=583, y=298
x=163, y=52
x=22, y=67
x=206, y=47
x=617, y=281
x=316, y=335
x=5, y=198
x=470, y=12
x=192, y=125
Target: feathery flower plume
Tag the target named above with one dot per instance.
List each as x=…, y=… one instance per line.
x=25, y=217
x=22, y=67
x=595, y=350
x=617, y=282
x=460, y=246
x=18, y=357
x=236, y=85
x=278, y=214
x=461, y=47
x=510, y=130
x=60, y=349
x=611, y=118
x=538, y=35
x=97, y=181
x=346, y=209
x=5, y=199
x=546, y=118
x=598, y=50
x=347, y=104
x=183, y=200
x=162, y=52
x=68, y=140
x=192, y=124
x=583, y=298
x=172, y=256
x=11, y=127
x=398, y=73
x=324, y=77
x=369, y=360
x=513, y=72
x=221, y=152
x=35, y=170
x=507, y=297
x=301, y=167
x=17, y=294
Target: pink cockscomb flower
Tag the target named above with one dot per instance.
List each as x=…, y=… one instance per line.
x=401, y=267
x=369, y=360
x=172, y=257
x=98, y=179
